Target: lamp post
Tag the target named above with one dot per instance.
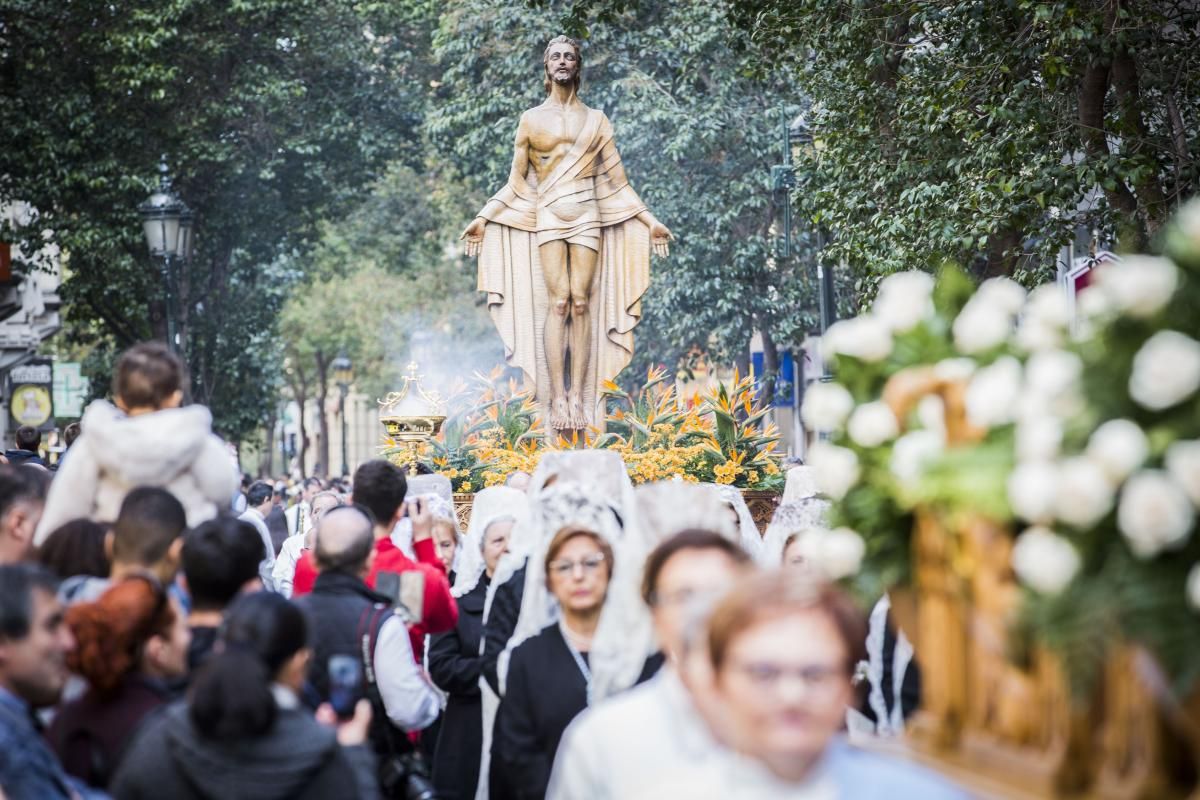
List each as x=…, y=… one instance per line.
x=798, y=135
x=168, y=225
x=343, y=376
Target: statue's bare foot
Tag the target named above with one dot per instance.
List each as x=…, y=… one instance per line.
x=560, y=414
x=579, y=419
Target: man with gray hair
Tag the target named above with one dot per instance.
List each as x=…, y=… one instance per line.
x=348, y=618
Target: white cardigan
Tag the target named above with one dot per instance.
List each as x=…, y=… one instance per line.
x=174, y=448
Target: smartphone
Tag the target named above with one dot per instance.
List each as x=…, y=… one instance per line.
x=406, y=590
x=345, y=684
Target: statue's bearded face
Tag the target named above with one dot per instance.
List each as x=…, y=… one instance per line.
x=562, y=62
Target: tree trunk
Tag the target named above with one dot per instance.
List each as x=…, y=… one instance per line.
x=266, y=459
x=742, y=360
x=770, y=366
x=322, y=467
x=1093, y=89
x=298, y=382
x=1150, y=196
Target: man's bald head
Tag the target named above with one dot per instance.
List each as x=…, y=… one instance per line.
x=345, y=537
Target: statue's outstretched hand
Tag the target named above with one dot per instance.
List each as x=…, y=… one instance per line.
x=473, y=236
x=660, y=238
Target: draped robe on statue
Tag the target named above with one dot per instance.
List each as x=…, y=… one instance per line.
x=582, y=202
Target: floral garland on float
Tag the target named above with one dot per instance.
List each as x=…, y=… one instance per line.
x=493, y=429
x=973, y=435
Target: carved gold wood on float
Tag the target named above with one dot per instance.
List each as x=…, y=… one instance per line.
x=762, y=507
x=940, y=640
x=991, y=722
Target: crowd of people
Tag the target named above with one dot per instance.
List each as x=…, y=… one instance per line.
x=168, y=630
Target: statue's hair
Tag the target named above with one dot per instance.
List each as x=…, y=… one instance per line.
x=547, y=82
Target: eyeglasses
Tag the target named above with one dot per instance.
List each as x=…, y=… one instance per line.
x=564, y=568
x=769, y=677
x=687, y=596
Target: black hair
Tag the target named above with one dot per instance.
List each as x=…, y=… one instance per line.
x=28, y=438
x=379, y=487
x=219, y=557
x=150, y=521
x=231, y=695
x=258, y=493
x=70, y=434
x=17, y=582
x=75, y=548
x=18, y=485
x=314, y=481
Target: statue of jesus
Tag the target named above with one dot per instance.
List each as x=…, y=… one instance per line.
x=564, y=248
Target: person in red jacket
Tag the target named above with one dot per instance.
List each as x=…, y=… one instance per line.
x=379, y=487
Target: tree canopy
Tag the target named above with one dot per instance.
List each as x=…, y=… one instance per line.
x=334, y=149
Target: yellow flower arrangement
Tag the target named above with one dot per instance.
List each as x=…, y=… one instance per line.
x=496, y=431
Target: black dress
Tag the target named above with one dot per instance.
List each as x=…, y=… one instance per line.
x=545, y=691
x=455, y=666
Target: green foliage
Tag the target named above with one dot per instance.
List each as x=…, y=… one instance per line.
x=977, y=131
x=273, y=113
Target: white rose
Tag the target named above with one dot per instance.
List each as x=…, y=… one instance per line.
x=1044, y=319
x=1188, y=219
x=836, y=469
x=1166, y=371
x=1044, y=561
x=991, y=397
x=839, y=553
x=826, y=406
x=980, y=327
x=912, y=452
x=872, y=424
x=1053, y=373
x=1119, y=446
x=1183, y=462
x=1138, y=285
x=1091, y=310
x=1032, y=487
x=1048, y=305
x=1039, y=437
x=1084, y=495
x=954, y=369
x=1034, y=335
x=863, y=337
x=1154, y=513
x=904, y=299
x=1193, y=587
x=1004, y=293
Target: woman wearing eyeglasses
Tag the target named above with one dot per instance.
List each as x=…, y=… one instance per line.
x=782, y=651
x=582, y=635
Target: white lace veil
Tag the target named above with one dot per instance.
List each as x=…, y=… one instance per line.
x=748, y=536
x=801, y=484
x=421, y=486
x=601, y=471
x=489, y=505
x=791, y=517
x=624, y=638
x=669, y=507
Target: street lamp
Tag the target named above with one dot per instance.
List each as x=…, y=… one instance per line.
x=168, y=225
x=343, y=376
x=799, y=136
